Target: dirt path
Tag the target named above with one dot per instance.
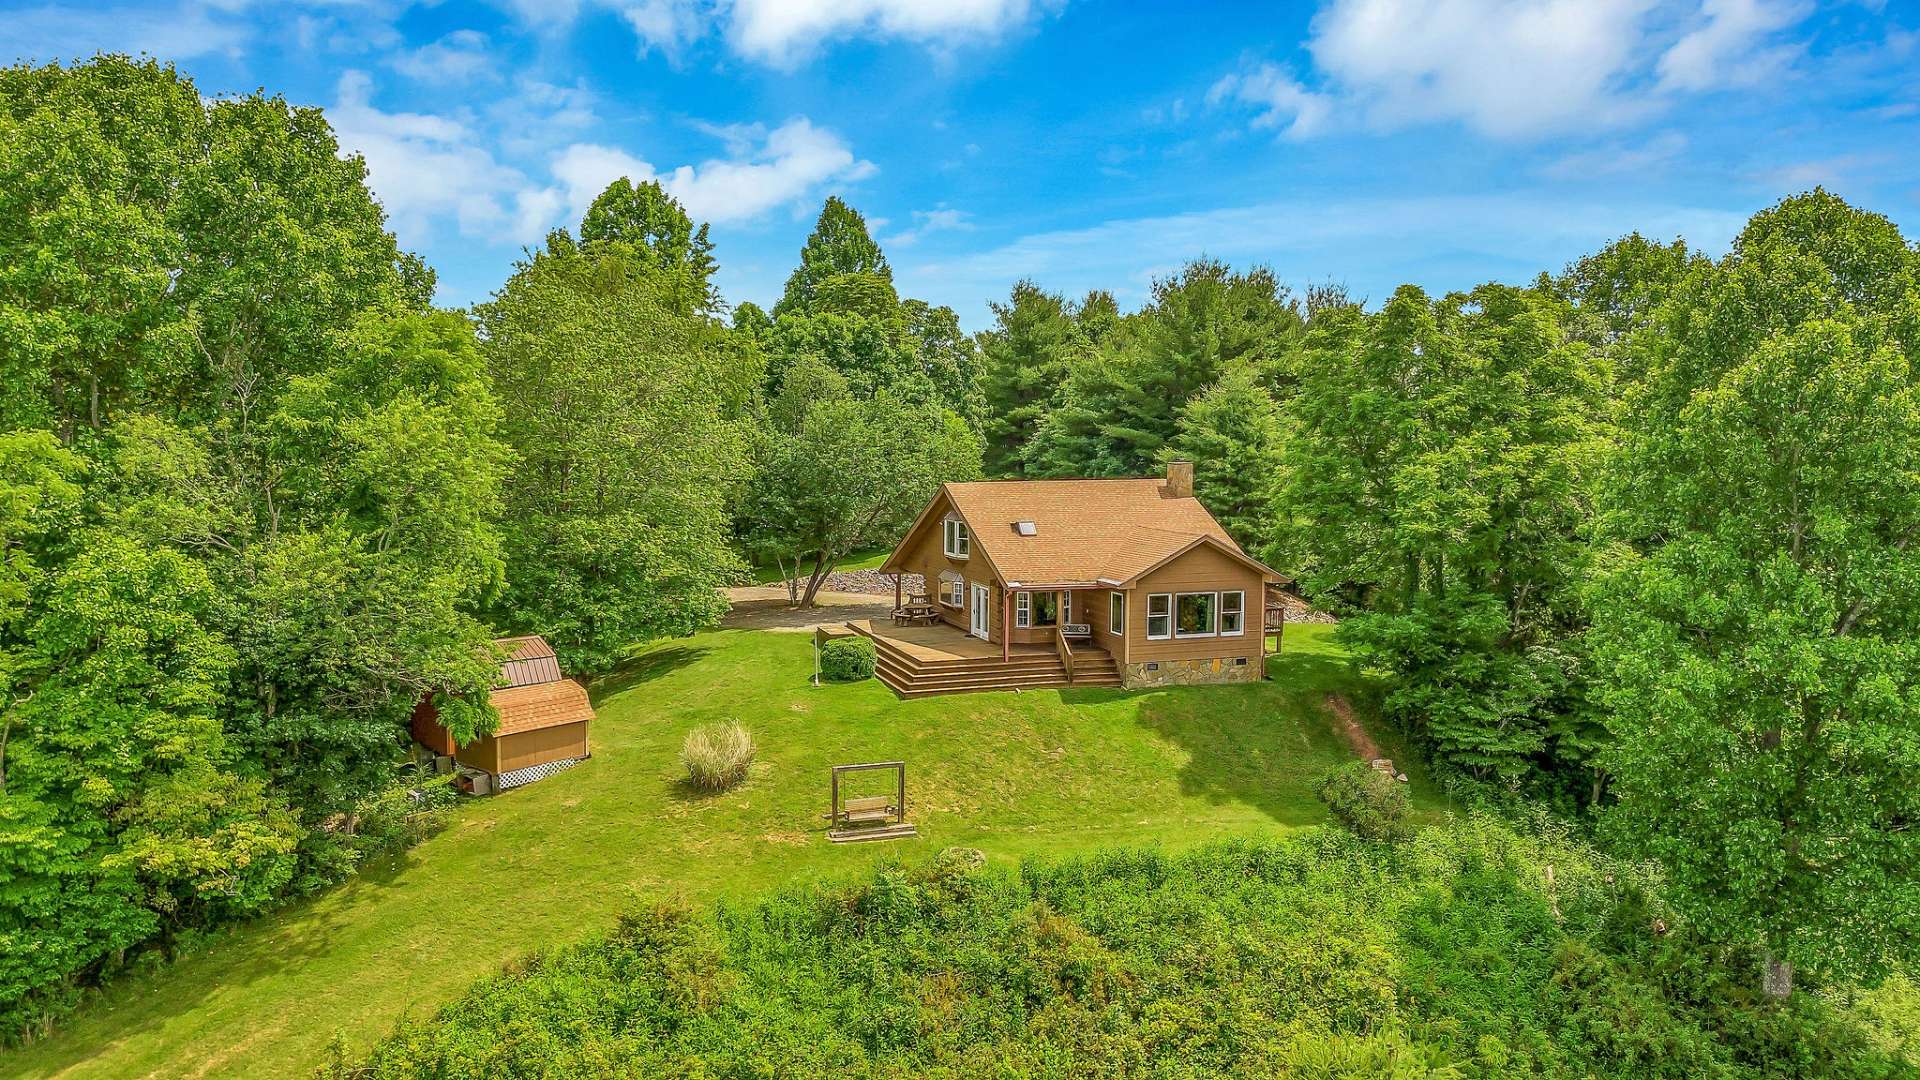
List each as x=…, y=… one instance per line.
x=1357, y=738
x=764, y=607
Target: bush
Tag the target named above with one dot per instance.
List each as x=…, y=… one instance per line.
x=846, y=660
x=1367, y=801
x=1313, y=955
x=717, y=755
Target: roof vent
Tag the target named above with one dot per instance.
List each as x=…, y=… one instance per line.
x=1026, y=528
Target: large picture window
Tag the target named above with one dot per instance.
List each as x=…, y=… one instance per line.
x=958, y=543
x=1117, y=614
x=1160, y=616
x=1046, y=609
x=1196, y=614
x=1036, y=609
x=1232, y=613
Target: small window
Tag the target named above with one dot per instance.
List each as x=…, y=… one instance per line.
x=1117, y=613
x=1197, y=614
x=1231, y=606
x=958, y=543
x=953, y=589
x=1159, y=616
x=1022, y=609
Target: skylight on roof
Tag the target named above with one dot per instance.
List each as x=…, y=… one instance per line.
x=1026, y=528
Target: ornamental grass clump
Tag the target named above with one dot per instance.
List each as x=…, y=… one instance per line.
x=717, y=755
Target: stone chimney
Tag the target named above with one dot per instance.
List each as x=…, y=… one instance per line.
x=1179, y=480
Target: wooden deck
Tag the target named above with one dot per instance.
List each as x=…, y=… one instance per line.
x=918, y=661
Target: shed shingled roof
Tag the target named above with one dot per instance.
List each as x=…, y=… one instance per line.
x=1085, y=530
x=543, y=705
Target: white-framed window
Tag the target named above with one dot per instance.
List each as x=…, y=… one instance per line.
x=953, y=589
x=1117, y=613
x=1034, y=609
x=1159, y=616
x=1232, y=613
x=958, y=543
x=1196, y=614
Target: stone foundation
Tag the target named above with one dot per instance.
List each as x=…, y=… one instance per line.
x=1190, y=672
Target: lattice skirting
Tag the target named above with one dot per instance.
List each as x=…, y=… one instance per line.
x=533, y=772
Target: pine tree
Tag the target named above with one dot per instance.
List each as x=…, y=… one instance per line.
x=1026, y=359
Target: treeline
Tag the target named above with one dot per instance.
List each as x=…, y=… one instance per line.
x=1637, y=540
x=258, y=497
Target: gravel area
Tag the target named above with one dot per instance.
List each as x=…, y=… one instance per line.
x=1299, y=611
x=870, y=582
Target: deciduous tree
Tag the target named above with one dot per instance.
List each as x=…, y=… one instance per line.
x=1758, y=634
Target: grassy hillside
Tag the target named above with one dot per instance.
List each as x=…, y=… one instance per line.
x=1459, y=955
x=1011, y=774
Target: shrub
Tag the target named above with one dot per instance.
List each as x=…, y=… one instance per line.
x=1366, y=800
x=846, y=660
x=717, y=755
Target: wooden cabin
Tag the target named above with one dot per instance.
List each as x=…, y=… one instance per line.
x=1127, y=580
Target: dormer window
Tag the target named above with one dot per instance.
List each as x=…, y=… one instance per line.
x=958, y=543
x=1026, y=528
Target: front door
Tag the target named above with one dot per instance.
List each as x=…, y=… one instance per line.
x=982, y=611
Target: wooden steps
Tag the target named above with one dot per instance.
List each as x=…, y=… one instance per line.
x=913, y=676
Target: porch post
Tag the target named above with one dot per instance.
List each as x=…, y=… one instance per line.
x=896, y=592
x=1006, y=627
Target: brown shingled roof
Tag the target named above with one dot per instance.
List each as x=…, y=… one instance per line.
x=1085, y=530
x=529, y=708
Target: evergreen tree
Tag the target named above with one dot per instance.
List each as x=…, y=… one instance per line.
x=839, y=244
x=1026, y=358
x=1232, y=433
x=1121, y=405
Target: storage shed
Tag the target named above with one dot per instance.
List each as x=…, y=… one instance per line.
x=543, y=719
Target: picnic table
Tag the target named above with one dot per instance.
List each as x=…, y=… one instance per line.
x=919, y=612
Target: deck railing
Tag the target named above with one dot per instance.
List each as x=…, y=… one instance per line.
x=1065, y=650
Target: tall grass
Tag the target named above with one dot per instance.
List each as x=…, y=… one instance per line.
x=717, y=755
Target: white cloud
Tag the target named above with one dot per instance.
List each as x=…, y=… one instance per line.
x=666, y=25
x=1515, y=68
x=795, y=159
x=427, y=167
x=422, y=166
x=1280, y=97
x=784, y=32
x=765, y=170
x=186, y=31
x=1727, y=49
x=925, y=222
x=459, y=57
x=1505, y=67
x=1619, y=160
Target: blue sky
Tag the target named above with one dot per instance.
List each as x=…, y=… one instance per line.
x=1082, y=144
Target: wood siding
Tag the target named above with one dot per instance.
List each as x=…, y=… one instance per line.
x=927, y=556
x=505, y=753
x=1204, y=569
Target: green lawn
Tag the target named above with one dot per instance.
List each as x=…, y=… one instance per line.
x=865, y=559
x=1012, y=774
